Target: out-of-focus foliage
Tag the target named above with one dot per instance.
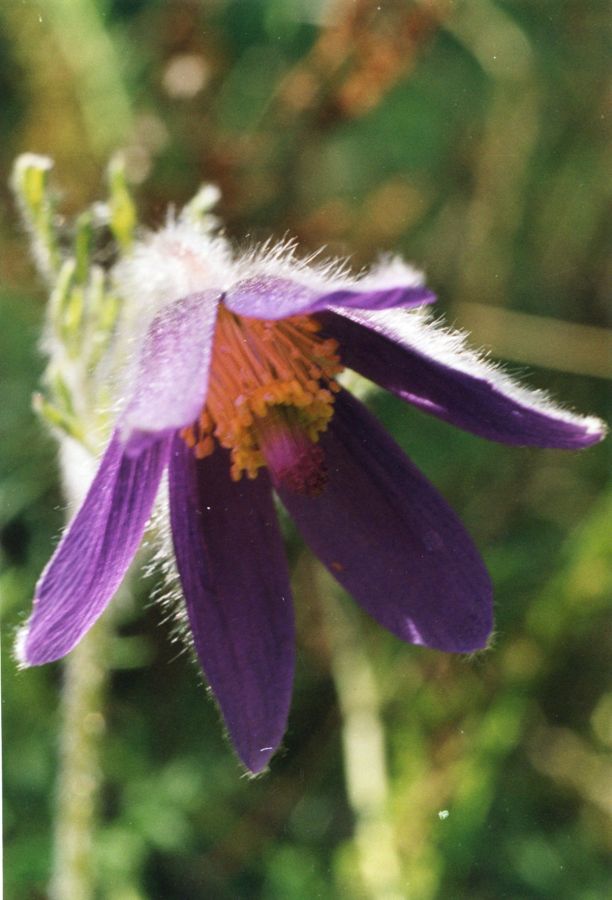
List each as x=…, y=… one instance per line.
x=470, y=136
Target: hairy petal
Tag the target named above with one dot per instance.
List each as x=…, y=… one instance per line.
x=95, y=552
x=232, y=567
x=391, y=540
x=432, y=369
x=172, y=373
x=271, y=297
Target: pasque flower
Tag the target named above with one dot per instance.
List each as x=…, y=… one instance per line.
x=233, y=392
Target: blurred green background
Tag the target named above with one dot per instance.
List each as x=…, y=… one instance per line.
x=471, y=137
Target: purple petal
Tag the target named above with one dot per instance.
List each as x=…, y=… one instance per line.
x=269, y=297
x=391, y=540
x=95, y=552
x=172, y=375
x=232, y=566
x=430, y=369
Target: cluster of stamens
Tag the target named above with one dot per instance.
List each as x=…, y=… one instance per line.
x=268, y=380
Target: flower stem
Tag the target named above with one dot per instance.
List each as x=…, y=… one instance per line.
x=85, y=682
x=86, y=676
x=365, y=767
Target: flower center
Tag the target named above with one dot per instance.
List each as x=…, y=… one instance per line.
x=270, y=395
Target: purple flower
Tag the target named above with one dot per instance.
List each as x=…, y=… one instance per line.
x=234, y=393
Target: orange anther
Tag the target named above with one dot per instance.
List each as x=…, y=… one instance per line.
x=260, y=366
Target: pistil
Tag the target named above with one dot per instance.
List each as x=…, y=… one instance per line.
x=294, y=461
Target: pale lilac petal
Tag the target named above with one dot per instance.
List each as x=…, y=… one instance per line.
x=430, y=368
x=172, y=375
x=391, y=540
x=271, y=297
x=234, y=575
x=95, y=552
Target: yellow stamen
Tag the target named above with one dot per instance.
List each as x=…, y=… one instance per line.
x=258, y=366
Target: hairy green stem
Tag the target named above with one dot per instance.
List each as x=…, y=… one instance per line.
x=85, y=682
x=86, y=676
x=363, y=742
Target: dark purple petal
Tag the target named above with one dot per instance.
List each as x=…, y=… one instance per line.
x=232, y=566
x=422, y=365
x=391, y=540
x=172, y=375
x=95, y=552
x=269, y=297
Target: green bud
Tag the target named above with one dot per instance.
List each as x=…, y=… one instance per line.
x=57, y=418
x=30, y=183
x=60, y=298
x=83, y=243
x=198, y=210
x=121, y=206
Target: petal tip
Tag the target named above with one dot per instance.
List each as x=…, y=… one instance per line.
x=595, y=430
x=19, y=649
x=32, y=649
x=471, y=634
x=482, y=646
x=580, y=432
x=427, y=297
x=477, y=646
x=256, y=761
x=256, y=756
x=467, y=644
